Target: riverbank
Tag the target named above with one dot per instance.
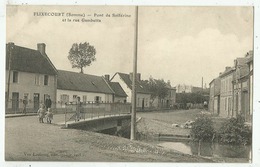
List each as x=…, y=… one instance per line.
x=28, y=140
x=152, y=124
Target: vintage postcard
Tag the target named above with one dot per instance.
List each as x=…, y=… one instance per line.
x=129, y=83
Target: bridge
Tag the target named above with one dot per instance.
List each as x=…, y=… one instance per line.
x=101, y=123
x=105, y=119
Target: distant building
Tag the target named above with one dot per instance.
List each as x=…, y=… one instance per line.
x=29, y=74
x=214, y=96
x=226, y=92
x=168, y=101
x=143, y=96
x=89, y=88
x=183, y=88
x=188, y=89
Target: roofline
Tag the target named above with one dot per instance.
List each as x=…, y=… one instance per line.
x=108, y=84
x=113, y=76
x=226, y=73
x=84, y=91
x=48, y=59
x=211, y=81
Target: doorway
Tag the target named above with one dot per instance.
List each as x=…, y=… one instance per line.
x=15, y=101
x=36, y=101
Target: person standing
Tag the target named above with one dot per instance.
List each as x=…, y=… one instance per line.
x=48, y=102
x=25, y=102
x=78, y=108
x=41, y=113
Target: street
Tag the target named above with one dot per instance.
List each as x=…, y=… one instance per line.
x=29, y=140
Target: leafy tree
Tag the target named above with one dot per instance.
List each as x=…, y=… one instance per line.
x=158, y=88
x=81, y=55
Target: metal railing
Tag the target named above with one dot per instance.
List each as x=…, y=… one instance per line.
x=77, y=112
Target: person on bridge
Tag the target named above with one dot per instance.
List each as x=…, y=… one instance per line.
x=25, y=102
x=78, y=109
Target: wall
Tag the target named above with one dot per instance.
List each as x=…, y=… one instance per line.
x=211, y=96
x=127, y=90
x=119, y=99
x=142, y=97
x=26, y=84
x=102, y=123
x=226, y=98
x=90, y=96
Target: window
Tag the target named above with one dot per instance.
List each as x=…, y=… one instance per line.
x=64, y=98
x=84, y=99
x=75, y=97
x=15, y=77
x=46, y=79
x=37, y=81
x=97, y=99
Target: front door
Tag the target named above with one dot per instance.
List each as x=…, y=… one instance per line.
x=36, y=101
x=15, y=101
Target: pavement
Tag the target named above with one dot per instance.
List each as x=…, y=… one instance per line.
x=19, y=115
x=28, y=140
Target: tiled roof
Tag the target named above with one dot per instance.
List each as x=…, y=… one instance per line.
x=139, y=87
x=226, y=72
x=82, y=82
x=29, y=60
x=117, y=89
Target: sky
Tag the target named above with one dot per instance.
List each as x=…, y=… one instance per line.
x=180, y=44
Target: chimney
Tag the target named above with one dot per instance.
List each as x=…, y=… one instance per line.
x=41, y=48
x=220, y=73
x=10, y=46
x=227, y=68
x=107, y=77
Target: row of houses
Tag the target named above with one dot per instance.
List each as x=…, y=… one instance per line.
x=231, y=93
x=31, y=75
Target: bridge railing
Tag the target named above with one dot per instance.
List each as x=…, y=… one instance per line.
x=76, y=112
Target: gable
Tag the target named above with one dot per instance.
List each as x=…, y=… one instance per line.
x=28, y=60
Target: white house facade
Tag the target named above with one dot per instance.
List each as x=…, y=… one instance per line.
x=29, y=75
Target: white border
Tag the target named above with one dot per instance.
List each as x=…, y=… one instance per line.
x=256, y=122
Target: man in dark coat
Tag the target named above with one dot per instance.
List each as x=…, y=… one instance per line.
x=48, y=102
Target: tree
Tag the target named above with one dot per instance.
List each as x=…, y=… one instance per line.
x=81, y=55
x=158, y=88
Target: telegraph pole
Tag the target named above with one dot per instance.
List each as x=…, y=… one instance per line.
x=133, y=114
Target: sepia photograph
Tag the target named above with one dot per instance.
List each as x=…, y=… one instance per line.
x=129, y=83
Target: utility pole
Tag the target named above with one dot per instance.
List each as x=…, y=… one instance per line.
x=133, y=114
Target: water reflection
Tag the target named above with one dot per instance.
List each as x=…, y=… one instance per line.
x=209, y=149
